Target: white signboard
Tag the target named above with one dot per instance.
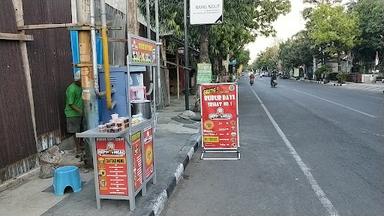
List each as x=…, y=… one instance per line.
x=206, y=12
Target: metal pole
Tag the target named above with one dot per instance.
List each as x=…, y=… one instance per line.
x=158, y=49
x=95, y=118
x=148, y=19
x=178, y=75
x=128, y=145
x=154, y=179
x=186, y=70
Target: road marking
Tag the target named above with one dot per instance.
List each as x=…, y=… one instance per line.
x=304, y=168
x=338, y=104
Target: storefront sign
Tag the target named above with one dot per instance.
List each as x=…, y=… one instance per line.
x=219, y=116
x=206, y=12
x=137, y=160
x=112, y=166
x=148, y=152
x=204, y=73
x=142, y=51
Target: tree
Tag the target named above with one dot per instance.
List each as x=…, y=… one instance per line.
x=333, y=30
x=296, y=51
x=308, y=11
x=243, y=57
x=370, y=14
x=269, y=59
x=243, y=21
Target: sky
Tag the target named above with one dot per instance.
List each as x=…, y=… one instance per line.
x=285, y=26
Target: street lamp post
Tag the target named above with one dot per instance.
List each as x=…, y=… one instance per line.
x=186, y=70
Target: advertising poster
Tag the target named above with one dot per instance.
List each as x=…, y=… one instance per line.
x=142, y=52
x=112, y=166
x=219, y=116
x=148, y=152
x=204, y=73
x=137, y=160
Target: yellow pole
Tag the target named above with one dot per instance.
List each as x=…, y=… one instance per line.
x=107, y=72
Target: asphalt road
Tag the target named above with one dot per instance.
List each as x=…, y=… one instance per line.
x=307, y=149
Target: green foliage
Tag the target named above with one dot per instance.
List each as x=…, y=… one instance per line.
x=242, y=57
x=332, y=29
x=268, y=60
x=342, y=77
x=243, y=21
x=296, y=51
x=324, y=69
x=370, y=14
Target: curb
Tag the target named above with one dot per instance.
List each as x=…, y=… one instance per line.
x=162, y=199
x=19, y=179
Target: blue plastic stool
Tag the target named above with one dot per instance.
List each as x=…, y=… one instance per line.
x=66, y=176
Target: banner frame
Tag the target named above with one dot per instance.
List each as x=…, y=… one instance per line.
x=220, y=150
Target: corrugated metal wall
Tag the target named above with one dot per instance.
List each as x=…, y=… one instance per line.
x=51, y=64
x=117, y=50
x=16, y=129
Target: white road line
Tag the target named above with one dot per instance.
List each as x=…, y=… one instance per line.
x=338, y=104
x=304, y=168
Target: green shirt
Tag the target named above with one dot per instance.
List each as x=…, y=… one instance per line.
x=73, y=96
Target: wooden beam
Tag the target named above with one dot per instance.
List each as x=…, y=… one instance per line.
x=123, y=40
x=46, y=26
x=15, y=37
x=19, y=16
x=73, y=26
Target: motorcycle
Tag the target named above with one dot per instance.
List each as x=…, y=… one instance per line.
x=251, y=82
x=273, y=84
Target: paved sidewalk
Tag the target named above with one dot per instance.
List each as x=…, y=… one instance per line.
x=372, y=87
x=176, y=140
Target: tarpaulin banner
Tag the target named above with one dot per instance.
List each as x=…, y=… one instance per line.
x=112, y=166
x=137, y=160
x=148, y=152
x=219, y=116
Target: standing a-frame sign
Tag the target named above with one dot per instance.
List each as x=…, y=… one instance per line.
x=219, y=120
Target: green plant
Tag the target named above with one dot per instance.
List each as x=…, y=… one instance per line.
x=324, y=69
x=342, y=77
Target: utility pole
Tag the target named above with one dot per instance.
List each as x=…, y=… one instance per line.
x=87, y=79
x=186, y=69
x=158, y=44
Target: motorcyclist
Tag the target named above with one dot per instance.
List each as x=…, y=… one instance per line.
x=273, y=78
x=251, y=79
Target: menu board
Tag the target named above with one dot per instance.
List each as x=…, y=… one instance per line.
x=137, y=160
x=142, y=51
x=112, y=166
x=148, y=152
x=219, y=118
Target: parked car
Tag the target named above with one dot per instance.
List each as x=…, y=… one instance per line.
x=285, y=76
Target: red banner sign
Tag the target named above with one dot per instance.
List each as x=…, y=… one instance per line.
x=112, y=166
x=137, y=160
x=219, y=116
x=148, y=152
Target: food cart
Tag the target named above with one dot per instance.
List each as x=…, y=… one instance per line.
x=123, y=148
